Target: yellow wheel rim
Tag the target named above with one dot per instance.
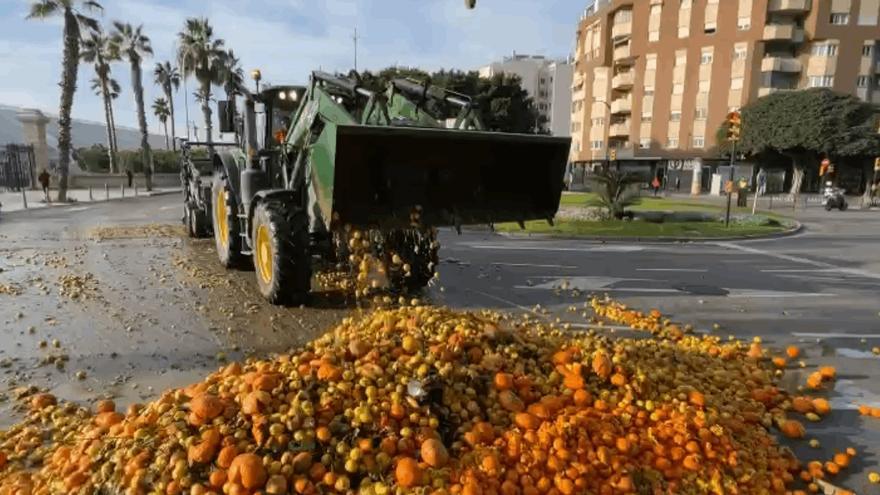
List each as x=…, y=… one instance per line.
x=264, y=253
x=222, y=221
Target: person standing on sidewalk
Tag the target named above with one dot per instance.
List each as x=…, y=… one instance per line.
x=130, y=177
x=43, y=178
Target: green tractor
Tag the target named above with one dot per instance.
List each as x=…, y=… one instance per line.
x=320, y=161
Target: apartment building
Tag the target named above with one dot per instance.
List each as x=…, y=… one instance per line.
x=654, y=79
x=547, y=81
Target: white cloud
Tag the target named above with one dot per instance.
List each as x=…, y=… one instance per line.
x=287, y=39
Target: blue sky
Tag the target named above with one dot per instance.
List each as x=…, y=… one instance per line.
x=286, y=39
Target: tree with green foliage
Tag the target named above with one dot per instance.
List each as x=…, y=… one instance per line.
x=807, y=125
x=502, y=103
x=75, y=22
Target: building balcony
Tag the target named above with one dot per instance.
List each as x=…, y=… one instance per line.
x=788, y=6
x=621, y=30
x=623, y=80
x=621, y=105
x=780, y=64
x=766, y=90
x=783, y=32
x=623, y=55
x=619, y=130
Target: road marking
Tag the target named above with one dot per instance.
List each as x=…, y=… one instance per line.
x=694, y=270
x=532, y=265
x=798, y=259
x=79, y=208
x=502, y=300
x=770, y=294
x=649, y=290
x=832, y=335
x=797, y=270
x=168, y=207
x=616, y=249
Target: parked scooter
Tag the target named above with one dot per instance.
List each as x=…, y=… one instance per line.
x=834, y=198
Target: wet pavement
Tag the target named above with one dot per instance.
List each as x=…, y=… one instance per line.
x=112, y=301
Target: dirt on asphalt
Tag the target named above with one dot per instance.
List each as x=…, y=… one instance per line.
x=127, y=311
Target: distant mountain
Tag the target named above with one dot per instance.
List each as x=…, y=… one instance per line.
x=83, y=132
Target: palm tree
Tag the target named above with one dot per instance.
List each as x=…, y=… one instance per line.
x=162, y=111
x=168, y=77
x=96, y=49
x=132, y=44
x=232, y=75
x=202, y=55
x=113, y=89
x=75, y=21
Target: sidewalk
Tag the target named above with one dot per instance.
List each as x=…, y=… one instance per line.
x=13, y=201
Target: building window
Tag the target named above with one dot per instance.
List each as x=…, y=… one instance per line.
x=644, y=143
x=649, y=91
x=736, y=83
x=675, y=116
x=699, y=141
x=543, y=81
x=595, y=145
x=701, y=113
x=599, y=121
x=653, y=36
x=824, y=50
x=647, y=118
x=703, y=87
x=739, y=54
x=706, y=58
x=744, y=23
x=651, y=62
x=867, y=50
x=863, y=81
x=840, y=19
x=821, y=81
x=672, y=142
x=678, y=89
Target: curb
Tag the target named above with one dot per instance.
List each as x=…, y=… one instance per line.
x=86, y=203
x=794, y=230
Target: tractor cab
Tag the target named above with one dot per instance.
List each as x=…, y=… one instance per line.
x=275, y=109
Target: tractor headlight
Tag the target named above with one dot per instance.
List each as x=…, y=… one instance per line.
x=293, y=95
x=282, y=95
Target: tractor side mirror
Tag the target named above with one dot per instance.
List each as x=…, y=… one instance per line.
x=226, y=115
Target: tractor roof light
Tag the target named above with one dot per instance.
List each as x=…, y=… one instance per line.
x=282, y=95
x=293, y=95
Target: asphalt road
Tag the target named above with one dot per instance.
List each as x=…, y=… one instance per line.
x=163, y=311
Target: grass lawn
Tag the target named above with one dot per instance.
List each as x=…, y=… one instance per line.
x=576, y=228
x=650, y=203
x=697, y=230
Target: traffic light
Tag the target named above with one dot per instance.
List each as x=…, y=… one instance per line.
x=734, y=126
x=613, y=154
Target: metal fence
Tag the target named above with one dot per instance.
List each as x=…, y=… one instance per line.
x=17, y=166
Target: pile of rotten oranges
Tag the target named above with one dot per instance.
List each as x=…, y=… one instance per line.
x=430, y=400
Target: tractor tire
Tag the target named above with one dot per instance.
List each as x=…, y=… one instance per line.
x=227, y=233
x=282, y=259
x=420, y=251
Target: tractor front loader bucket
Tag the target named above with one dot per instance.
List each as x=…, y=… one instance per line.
x=382, y=175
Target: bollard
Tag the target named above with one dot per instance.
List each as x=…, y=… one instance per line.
x=122, y=190
x=24, y=198
x=91, y=198
x=135, y=188
x=106, y=192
